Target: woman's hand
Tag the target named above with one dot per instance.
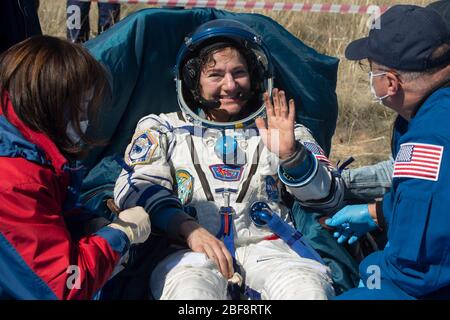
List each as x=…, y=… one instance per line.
x=200, y=240
x=278, y=135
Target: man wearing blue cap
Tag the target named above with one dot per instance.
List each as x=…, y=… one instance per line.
x=409, y=57
x=373, y=181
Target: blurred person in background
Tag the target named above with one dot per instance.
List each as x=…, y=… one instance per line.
x=18, y=21
x=78, y=26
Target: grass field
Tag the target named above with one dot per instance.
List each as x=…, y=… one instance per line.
x=364, y=128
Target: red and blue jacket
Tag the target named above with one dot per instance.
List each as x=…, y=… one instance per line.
x=38, y=257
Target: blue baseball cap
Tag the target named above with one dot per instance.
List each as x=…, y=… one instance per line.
x=405, y=40
x=443, y=8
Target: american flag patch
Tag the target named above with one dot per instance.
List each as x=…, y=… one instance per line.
x=418, y=160
x=318, y=153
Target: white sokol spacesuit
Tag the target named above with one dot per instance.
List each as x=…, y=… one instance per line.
x=181, y=162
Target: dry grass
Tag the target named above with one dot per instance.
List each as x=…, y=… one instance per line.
x=363, y=127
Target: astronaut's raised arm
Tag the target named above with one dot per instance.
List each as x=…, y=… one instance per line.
x=310, y=177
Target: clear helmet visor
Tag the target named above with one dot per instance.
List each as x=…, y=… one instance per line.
x=240, y=37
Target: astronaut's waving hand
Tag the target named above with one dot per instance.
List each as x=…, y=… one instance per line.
x=278, y=135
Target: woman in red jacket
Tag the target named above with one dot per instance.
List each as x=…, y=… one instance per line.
x=50, y=89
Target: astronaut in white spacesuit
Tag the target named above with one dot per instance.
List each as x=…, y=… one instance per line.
x=213, y=176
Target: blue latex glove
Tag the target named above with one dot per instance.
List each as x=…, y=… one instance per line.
x=352, y=222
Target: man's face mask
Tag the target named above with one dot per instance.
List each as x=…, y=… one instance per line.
x=372, y=88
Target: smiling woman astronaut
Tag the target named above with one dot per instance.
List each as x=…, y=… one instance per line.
x=213, y=176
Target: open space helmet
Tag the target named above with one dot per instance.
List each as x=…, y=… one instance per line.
x=211, y=36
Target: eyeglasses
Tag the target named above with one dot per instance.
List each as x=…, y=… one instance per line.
x=379, y=73
x=374, y=74
x=367, y=67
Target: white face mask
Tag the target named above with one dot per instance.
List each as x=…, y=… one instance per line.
x=71, y=133
x=372, y=88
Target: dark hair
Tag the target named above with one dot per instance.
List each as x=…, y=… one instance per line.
x=47, y=80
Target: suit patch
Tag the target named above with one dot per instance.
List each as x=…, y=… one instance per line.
x=272, y=189
x=185, y=185
x=144, y=145
x=226, y=172
x=418, y=160
x=317, y=151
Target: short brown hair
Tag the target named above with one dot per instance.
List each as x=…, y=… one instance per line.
x=47, y=80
